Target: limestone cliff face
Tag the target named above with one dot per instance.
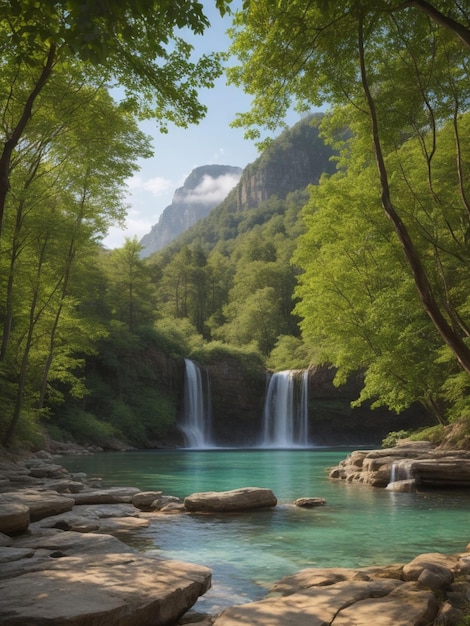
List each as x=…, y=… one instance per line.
x=295, y=159
x=238, y=394
x=203, y=190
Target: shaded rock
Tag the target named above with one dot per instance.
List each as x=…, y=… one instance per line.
x=120, y=525
x=312, y=577
x=69, y=542
x=65, y=486
x=47, y=470
x=113, y=495
x=40, y=503
x=464, y=564
x=316, y=606
x=234, y=500
x=162, y=502
x=309, y=503
x=129, y=590
x=72, y=521
x=14, y=518
x=107, y=510
x=5, y=540
x=405, y=606
x=144, y=500
x=434, y=570
x=173, y=507
x=15, y=554
x=324, y=576
x=449, y=615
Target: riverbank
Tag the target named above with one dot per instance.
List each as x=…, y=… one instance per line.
x=61, y=548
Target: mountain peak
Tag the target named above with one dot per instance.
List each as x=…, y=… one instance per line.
x=205, y=188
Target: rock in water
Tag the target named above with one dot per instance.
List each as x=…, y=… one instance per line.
x=235, y=500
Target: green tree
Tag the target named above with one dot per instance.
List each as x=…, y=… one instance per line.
x=391, y=71
x=134, y=44
x=67, y=188
x=131, y=293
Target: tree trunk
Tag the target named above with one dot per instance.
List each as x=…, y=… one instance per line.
x=459, y=29
x=453, y=340
x=12, y=142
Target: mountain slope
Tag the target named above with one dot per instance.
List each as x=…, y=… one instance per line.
x=296, y=159
x=203, y=190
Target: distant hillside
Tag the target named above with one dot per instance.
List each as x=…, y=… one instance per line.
x=231, y=275
x=295, y=159
x=203, y=190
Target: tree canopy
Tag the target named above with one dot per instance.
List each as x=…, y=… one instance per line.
x=67, y=148
x=392, y=73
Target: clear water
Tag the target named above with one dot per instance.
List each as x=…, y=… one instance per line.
x=248, y=551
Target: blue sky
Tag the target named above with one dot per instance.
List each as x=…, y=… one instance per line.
x=177, y=153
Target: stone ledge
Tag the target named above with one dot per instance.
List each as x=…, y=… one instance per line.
x=425, y=465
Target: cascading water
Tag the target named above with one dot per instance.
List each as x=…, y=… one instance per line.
x=285, y=414
x=196, y=419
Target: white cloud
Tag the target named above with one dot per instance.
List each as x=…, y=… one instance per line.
x=212, y=190
x=157, y=186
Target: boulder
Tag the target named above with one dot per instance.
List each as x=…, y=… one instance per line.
x=14, y=518
x=47, y=470
x=309, y=503
x=163, y=502
x=449, y=615
x=434, y=570
x=145, y=499
x=403, y=486
x=124, y=589
x=234, y=500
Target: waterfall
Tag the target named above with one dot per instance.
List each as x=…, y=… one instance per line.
x=285, y=414
x=303, y=409
x=401, y=476
x=196, y=419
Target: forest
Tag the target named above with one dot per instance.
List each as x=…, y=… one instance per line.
x=366, y=269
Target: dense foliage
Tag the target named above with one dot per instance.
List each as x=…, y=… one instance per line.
x=367, y=269
x=66, y=150
x=386, y=286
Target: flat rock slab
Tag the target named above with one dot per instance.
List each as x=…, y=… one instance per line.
x=408, y=605
x=70, y=543
x=116, y=589
x=113, y=495
x=40, y=503
x=235, y=500
x=312, y=607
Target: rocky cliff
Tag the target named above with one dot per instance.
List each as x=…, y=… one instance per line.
x=203, y=190
x=297, y=158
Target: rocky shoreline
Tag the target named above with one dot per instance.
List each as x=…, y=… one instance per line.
x=407, y=467
x=64, y=556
